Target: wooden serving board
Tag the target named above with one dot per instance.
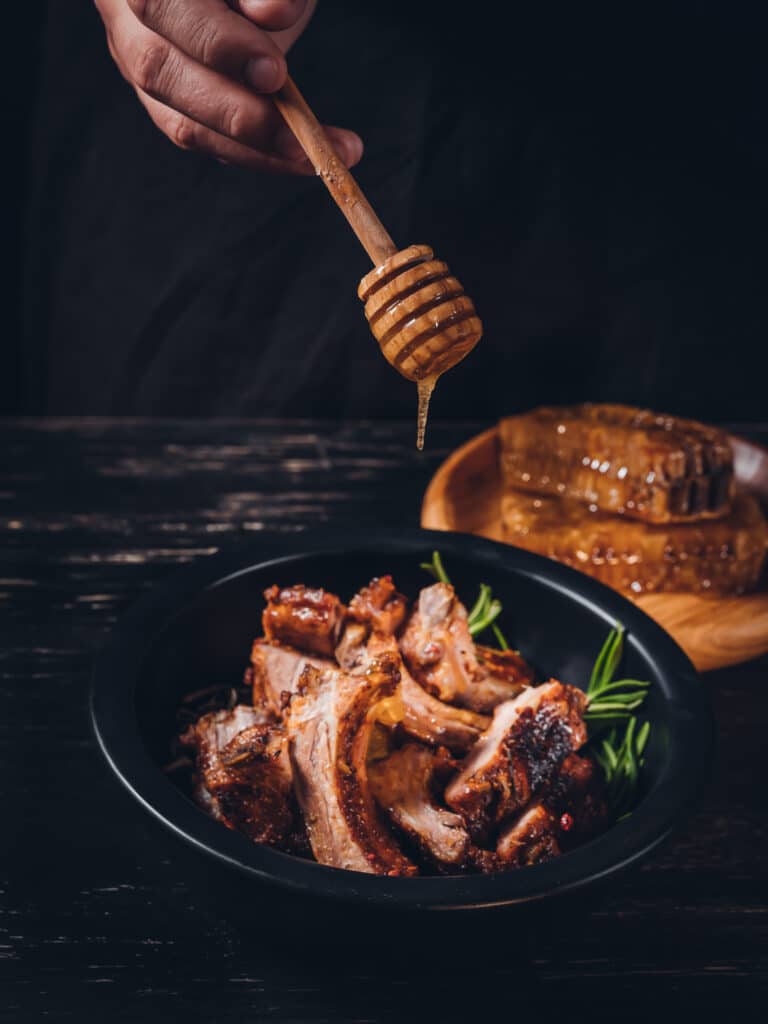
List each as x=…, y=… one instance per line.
x=464, y=496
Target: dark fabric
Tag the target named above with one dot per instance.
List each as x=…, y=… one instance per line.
x=598, y=187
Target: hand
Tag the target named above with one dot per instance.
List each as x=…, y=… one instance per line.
x=202, y=69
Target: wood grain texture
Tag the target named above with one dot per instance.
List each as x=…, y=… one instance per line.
x=98, y=919
x=347, y=194
x=464, y=495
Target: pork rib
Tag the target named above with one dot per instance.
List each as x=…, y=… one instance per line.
x=310, y=619
x=243, y=776
x=404, y=785
x=425, y=717
x=531, y=838
x=518, y=755
x=570, y=811
x=440, y=652
x=330, y=724
x=379, y=606
x=577, y=798
x=276, y=671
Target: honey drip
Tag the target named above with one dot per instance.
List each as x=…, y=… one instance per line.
x=425, y=387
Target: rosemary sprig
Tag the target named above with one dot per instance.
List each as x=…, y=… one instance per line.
x=620, y=755
x=609, y=699
x=500, y=638
x=621, y=765
x=435, y=568
x=608, y=659
x=484, y=611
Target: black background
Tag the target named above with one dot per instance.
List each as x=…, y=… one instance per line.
x=595, y=176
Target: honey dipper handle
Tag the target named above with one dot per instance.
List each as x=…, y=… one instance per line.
x=370, y=231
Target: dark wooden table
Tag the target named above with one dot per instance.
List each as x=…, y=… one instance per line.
x=97, y=920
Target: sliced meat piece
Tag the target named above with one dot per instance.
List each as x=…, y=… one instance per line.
x=572, y=810
x=329, y=725
x=577, y=800
x=302, y=617
x=440, y=652
x=351, y=653
x=430, y=720
x=425, y=717
x=405, y=786
x=503, y=674
x=243, y=775
x=518, y=755
x=276, y=671
x=531, y=838
x=379, y=606
x=376, y=608
x=437, y=644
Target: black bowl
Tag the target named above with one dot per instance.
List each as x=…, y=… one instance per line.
x=197, y=630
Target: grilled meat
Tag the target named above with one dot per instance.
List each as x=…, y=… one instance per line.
x=722, y=557
x=430, y=720
x=329, y=725
x=310, y=619
x=379, y=606
x=502, y=675
x=243, y=776
x=440, y=652
x=570, y=811
x=276, y=671
x=405, y=785
x=623, y=460
x=518, y=756
x=425, y=717
x=531, y=838
x=345, y=753
x=351, y=650
x=376, y=608
x=576, y=798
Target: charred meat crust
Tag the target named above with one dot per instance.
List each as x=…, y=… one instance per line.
x=360, y=807
x=379, y=606
x=571, y=810
x=304, y=617
x=518, y=755
x=578, y=792
x=508, y=667
x=329, y=725
x=530, y=839
x=243, y=776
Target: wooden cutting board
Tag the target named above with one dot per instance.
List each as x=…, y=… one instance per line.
x=464, y=494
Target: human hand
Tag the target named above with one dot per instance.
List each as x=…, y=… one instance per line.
x=204, y=70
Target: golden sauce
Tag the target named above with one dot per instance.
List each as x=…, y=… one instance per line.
x=425, y=388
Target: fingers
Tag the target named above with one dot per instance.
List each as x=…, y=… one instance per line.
x=348, y=145
x=188, y=134
x=204, y=107
x=215, y=36
x=285, y=157
x=163, y=72
x=273, y=15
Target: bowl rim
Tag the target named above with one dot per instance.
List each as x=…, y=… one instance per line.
x=113, y=713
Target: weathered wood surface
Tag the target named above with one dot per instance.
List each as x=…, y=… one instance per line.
x=98, y=921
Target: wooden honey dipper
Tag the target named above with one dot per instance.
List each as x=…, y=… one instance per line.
x=418, y=312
